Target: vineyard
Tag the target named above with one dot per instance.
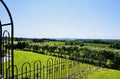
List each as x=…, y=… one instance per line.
x=30, y=65
x=62, y=59
x=100, y=53
x=58, y=59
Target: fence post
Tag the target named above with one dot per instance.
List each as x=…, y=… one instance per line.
x=50, y=73
x=43, y=71
x=0, y=49
x=37, y=69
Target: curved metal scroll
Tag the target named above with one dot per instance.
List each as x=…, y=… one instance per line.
x=49, y=70
x=6, y=46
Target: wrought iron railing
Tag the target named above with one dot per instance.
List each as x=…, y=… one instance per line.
x=57, y=68
x=6, y=44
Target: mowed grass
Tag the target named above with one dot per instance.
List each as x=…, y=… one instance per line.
x=105, y=74
x=20, y=57
x=26, y=56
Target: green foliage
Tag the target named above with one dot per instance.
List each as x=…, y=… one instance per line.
x=43, y=40
x=35, y=48
x=21, y=45
x=96, y=52
x=109, y=63
x=115, y=45
x=74, y=43
x=97, y=41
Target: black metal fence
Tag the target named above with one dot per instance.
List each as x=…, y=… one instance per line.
x=58, y=68
x=6, y=43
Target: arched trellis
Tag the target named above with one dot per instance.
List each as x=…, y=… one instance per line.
x=10, y=63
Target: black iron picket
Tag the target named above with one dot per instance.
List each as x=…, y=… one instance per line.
x=6, y=45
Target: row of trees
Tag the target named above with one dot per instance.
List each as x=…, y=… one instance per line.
x=74, y=43
x=21, y=45
x=112, y=43
x=105, y=58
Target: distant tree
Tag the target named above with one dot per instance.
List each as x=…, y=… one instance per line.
x=38, y=40
x=74, y=43
x=35, y=48
x=115, y=45
x=97, y=41
x=21, y=45
x=45, y=49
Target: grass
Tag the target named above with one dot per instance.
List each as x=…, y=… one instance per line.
x=101, y=73
x=21, y=57
x=26, y=56
x=105, y=74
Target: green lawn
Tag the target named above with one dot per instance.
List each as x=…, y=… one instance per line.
x=26, y=56
x=101, y=73
x=21, y=57
x=105, y=74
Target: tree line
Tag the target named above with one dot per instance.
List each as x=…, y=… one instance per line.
x=104, y=58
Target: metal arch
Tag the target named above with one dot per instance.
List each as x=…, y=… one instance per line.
x=26, y=67
x=10, y=16
x=37, y=69
x=6, y=32
x=12, y=34
x=49, y=68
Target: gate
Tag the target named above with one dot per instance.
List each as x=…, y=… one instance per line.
x=6, y=46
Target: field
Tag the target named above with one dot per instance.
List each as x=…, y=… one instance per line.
x=26, y=56
x=102, y=73
x=22, y=57
x=105, y=74
x=56, y=59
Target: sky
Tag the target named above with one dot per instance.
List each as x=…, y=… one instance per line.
x=99, y=19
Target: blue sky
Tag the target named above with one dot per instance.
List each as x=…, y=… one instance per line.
x=66, y=18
